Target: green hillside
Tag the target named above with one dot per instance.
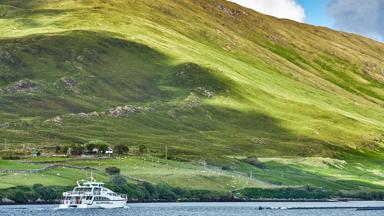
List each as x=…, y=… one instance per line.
x=208, y=78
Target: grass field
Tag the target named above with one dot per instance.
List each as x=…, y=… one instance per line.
x=209, y=79
x=331, y=174
x=12, y=165
x=174, y=173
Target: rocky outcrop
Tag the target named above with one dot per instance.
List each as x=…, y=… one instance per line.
x=128, y=109
x=80, y=58
x=191, y=102
x=231, y=11
x=26, y=86
x=205, y=92
x=56, y=121
x=369, y=67
x=116, y=111
x=68, y=84
x=5, y=125
x=8, y=56
x=89, y=115
x=113, y=112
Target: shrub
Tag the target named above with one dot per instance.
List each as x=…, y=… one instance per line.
x=151, y=189
x=112, y=170
x=142, y=149
x=77, y=149
x=228, y=167
x=166, y=193
x=64, y=149
x=25, y=194
x=44, y=193
x=102, y=147
x=19, y=197
x=89, y=147
x=57, y=149
x=287, y=193
x=118, y=181
x=10, y=157
x=121, y=149
x=255, y=162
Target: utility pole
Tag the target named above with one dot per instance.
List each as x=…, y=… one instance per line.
x=205, y=164
x=166, y=152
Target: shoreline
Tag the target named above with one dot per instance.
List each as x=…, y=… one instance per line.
x=258, y=205
x=10, y=203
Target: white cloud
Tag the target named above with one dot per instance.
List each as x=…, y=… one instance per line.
x=288, y=9
x=363, y=18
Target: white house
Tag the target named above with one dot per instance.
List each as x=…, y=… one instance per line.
x=109, y=151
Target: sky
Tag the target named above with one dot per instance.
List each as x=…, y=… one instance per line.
x=364, y=17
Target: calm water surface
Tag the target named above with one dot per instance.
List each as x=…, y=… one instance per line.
x=201, y=209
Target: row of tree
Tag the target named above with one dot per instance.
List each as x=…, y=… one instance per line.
x=37, y=192
x=307, y=192
x=145, y=192
x=142, y=192
x=91, y=148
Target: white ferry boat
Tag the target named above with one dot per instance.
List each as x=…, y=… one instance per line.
x=92, y=194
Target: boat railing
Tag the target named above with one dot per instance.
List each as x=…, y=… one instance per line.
x=71, y=193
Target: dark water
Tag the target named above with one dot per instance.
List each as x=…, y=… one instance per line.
x=201, y=209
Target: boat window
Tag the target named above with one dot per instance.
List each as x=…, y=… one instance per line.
x=102, y=199
x=97, y=191
x=83, y=190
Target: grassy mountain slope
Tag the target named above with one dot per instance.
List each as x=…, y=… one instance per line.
x=208, y=78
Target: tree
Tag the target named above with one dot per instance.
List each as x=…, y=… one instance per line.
x=112, y=170
x=64, y=150
x=44, y=193
x=118, y=180
x=102, y=147
x=255, y=162
x=77, y=149
x=166, y=193
x=57, y=150
x=18, y=196
x=89, y=147
x=142, y=149
x=121, y=149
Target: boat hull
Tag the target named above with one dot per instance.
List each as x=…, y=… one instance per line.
x=96, y=205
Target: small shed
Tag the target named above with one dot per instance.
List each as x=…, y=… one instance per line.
x=35, y=153
x=95, y=151
x=109, y=151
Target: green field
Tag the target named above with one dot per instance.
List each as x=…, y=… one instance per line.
x=5, y=164
x=332, y=174
x=209, y=79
